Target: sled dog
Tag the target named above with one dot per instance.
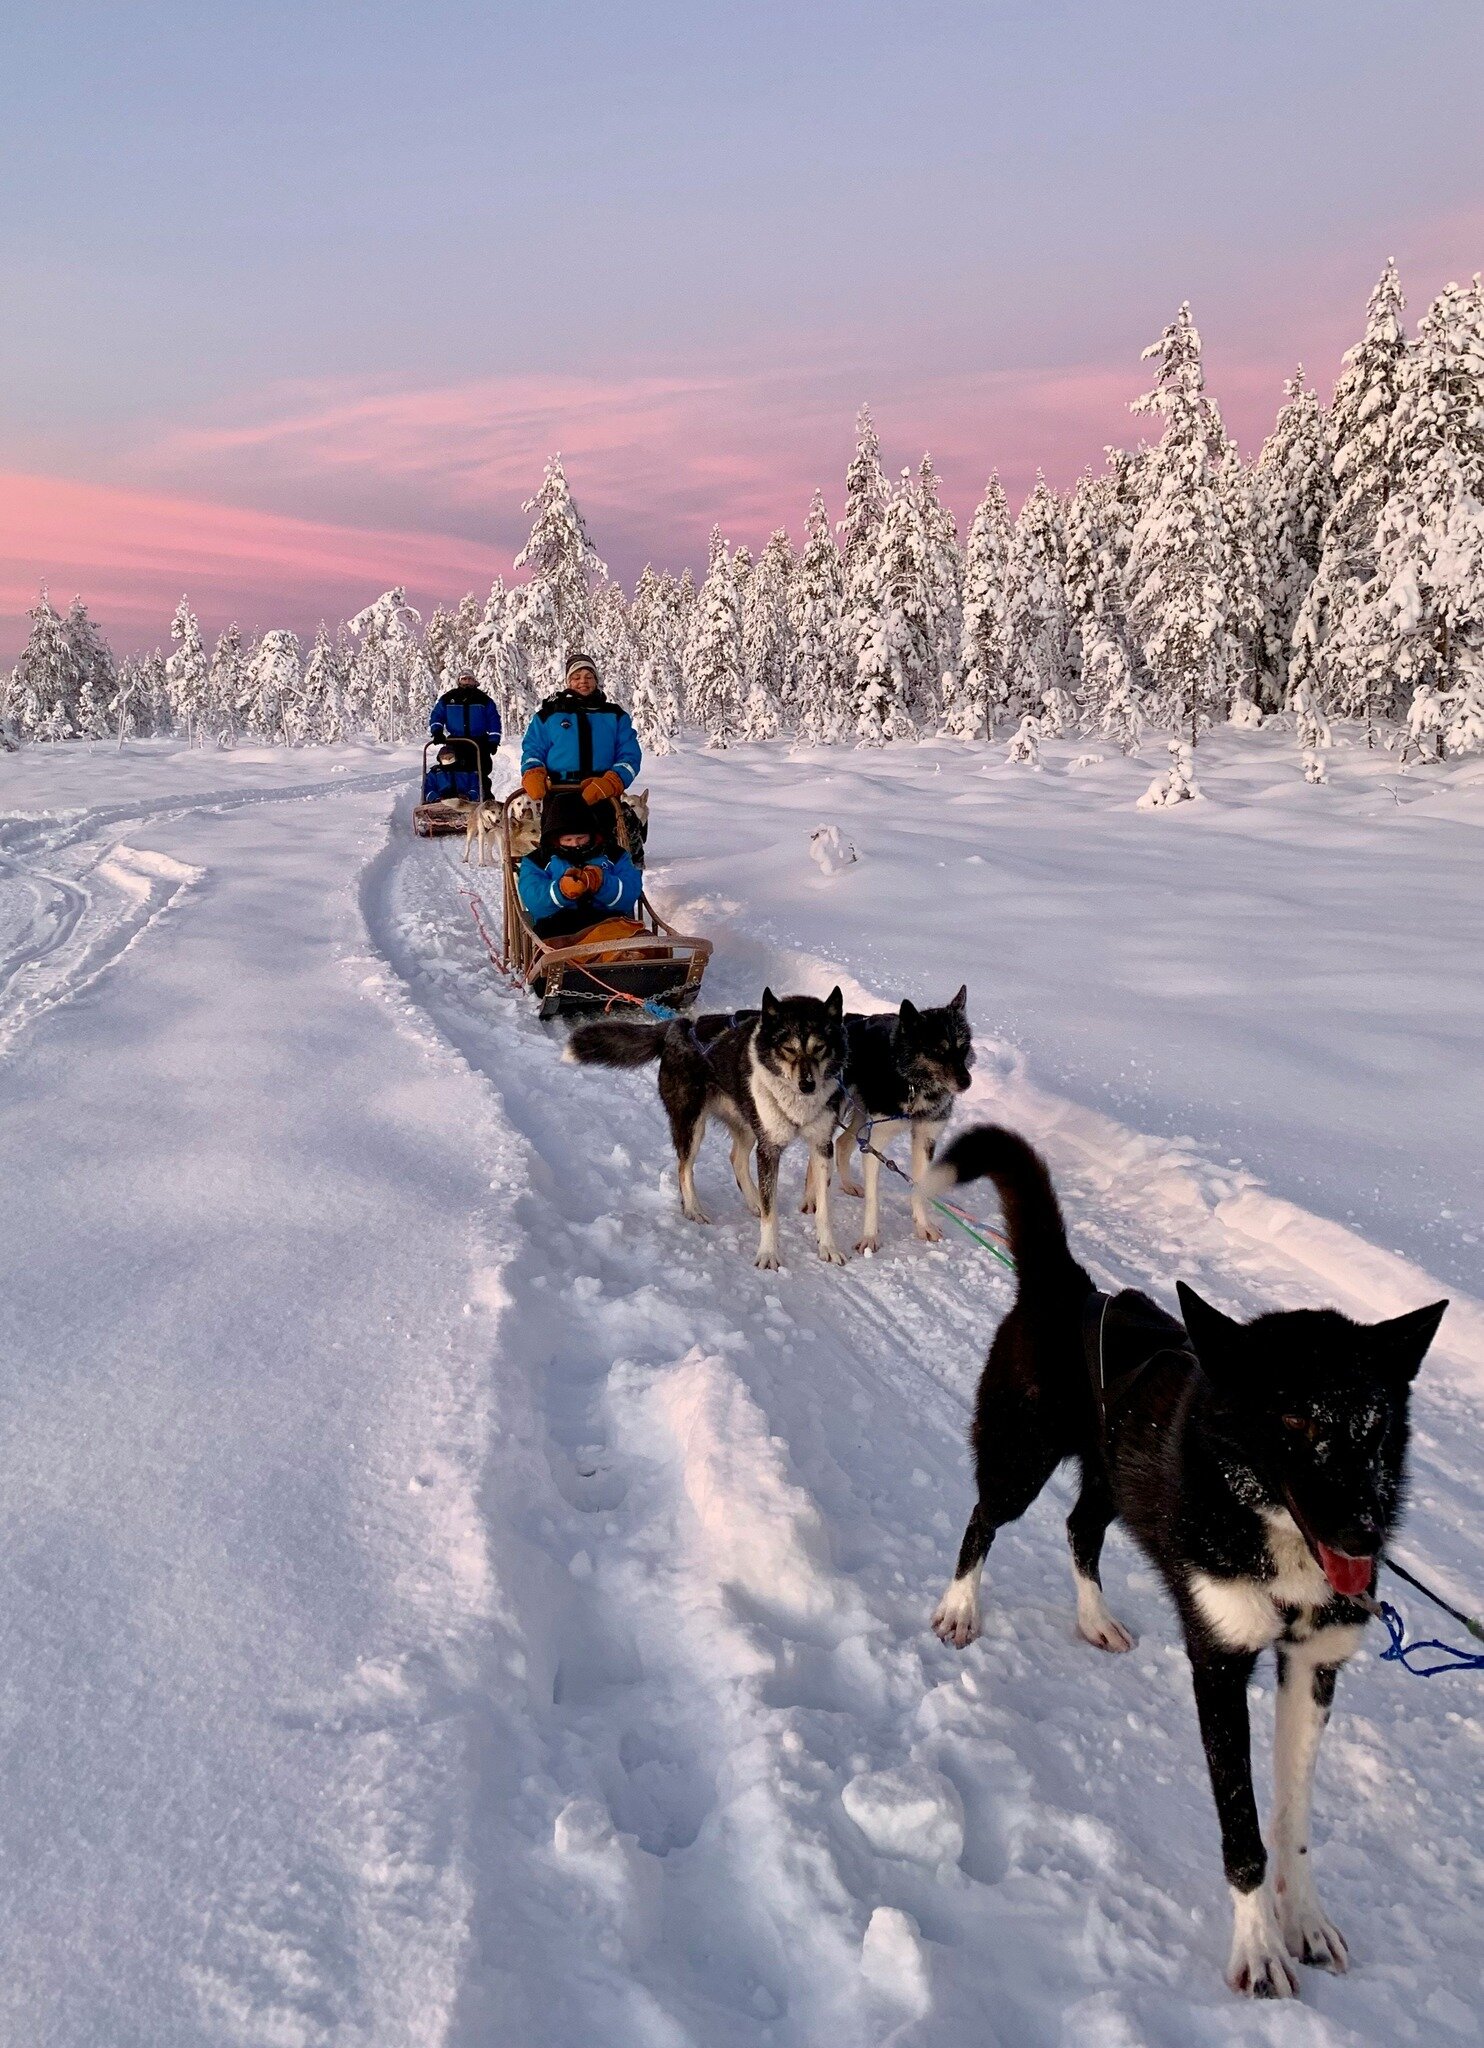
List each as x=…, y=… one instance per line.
x=770, y=1075
x=901, y=1073
x=1259, y=1466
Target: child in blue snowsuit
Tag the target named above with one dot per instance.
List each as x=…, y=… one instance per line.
x=579, y=736
x=574, y=878
x=463, y=713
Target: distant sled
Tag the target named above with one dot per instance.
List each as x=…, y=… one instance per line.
x=451, y=788
x=620, y=964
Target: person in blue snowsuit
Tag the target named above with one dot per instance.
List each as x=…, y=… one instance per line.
x=576, y=877
x=463, y=713
x=580, y=736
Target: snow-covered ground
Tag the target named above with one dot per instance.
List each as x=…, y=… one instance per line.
x=451, y=1599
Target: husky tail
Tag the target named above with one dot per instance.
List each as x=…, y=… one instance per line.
x=1033, y=1219
x=606, y=1043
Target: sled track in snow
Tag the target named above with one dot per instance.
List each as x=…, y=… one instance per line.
x=750, y=1491
x=79, y=898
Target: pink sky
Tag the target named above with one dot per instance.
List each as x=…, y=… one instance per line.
x=653, y=461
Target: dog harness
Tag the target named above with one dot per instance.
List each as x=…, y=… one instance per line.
x=1123, y=1335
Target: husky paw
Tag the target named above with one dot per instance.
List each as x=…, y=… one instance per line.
x=832, y=1255
x=956, y=1618
x=867, y=1245
x=1258, y=1966
x=1095, y=1624
x=768, y=1262
x=928, y=1232
x=852, y=1187
x=696, y=1215
x=1306, y=1931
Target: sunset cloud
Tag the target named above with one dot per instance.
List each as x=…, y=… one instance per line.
x=132, y=553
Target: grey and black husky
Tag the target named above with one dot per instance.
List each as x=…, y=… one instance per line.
x=1260, y=1467
x=770, y=1075
x=902, y=1072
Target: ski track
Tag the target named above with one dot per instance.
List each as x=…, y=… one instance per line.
x=731, y=1790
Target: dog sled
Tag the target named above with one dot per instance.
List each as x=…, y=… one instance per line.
x=457, y=761
x=617, y=964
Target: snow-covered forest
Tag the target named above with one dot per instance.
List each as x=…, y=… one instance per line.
x=1339, y=576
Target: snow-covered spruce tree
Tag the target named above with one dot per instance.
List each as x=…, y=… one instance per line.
x=713, y=653
x=130, y=708
x=438, y=645
x=1024, y=747
x=867, y=495
x=611, y=638
x=391, y=676
x=317, y=714
x=979, y=694
x=766, y=653
x=187, y=675
x=47, y=682
x=1180, y=558
x=1430, y=544
x=943, y=595
x=896, y=656
x=656, y=705
x=274, y=675
x=1335, y=637
x=1040, y=651
x=820, y=688
x=534, y=631
x=227, y=685
x=1294, y=484
x=1097, y=527
x=560, y=555
x=494, y=652
x=97, y=672
x=1241, y=628
x=1312, y=730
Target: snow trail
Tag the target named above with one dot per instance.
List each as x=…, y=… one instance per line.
x=753, y=1750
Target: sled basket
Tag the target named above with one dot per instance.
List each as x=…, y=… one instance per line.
x=618, y=964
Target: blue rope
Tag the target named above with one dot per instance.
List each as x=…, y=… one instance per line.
x=660, y=1010
x=1400, y=1650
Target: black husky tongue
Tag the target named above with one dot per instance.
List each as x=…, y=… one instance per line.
x=1345, y=1573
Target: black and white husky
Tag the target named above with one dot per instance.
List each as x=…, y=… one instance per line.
x=1261, y=1469
x=902, y=1073
x=770, y=1075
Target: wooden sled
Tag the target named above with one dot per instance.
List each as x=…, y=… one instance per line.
x=616, y=965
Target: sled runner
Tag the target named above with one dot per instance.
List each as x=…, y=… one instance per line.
x=617, y=964
x=449, y=789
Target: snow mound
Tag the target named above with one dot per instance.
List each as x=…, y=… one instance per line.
x=892, y=1960
x=830, y=850
x=912, y=1812
x=761, y=1535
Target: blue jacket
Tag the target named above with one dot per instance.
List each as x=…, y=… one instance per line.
x=574, y=737
x=465, y=713
x=616, y=896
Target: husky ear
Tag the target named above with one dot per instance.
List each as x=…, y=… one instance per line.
x=1212, y=1333
x=834, y=1002
x=1399, y=1346
x=961, y=1000
x=908, y=1014
x=770, y=1003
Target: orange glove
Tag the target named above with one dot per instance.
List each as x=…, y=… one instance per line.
x=534, y=783
x=602, y=788
x=594, y=878
x=578, y=882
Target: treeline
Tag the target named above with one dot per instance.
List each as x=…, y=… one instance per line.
x=1339, y=576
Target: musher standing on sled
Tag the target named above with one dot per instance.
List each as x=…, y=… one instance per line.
x=580, y=736
x=465, y=713
x=576, y=878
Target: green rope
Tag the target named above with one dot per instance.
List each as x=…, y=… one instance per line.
x=969, y=1231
